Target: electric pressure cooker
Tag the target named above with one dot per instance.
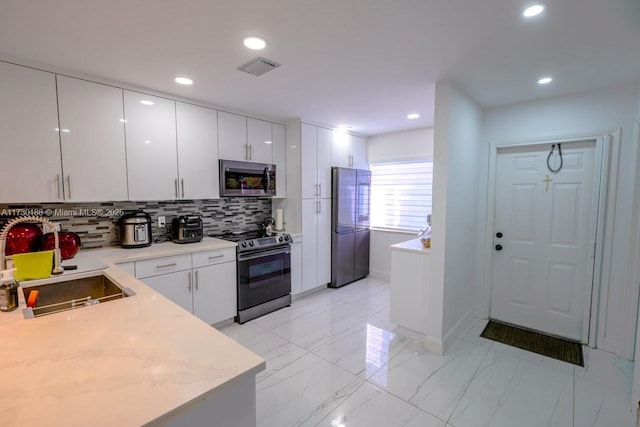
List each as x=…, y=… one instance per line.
x=135, y=230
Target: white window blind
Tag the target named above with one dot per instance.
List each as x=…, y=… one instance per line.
x=401, y=195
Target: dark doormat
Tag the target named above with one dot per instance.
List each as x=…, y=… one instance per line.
x=556, y=348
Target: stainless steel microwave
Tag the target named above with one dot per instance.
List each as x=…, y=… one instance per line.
x=247, y=179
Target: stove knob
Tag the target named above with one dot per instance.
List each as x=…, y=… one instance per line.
x=280, y=239
x=286, y=237
x=244, y=244
x=251, y=243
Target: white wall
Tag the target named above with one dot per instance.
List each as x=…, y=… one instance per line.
x=394, y=147
x=380, y=251
x=587, y=114
x=458, y=124
x=400, y=146
x=635, y=397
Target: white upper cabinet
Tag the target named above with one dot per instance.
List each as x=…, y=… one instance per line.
x=308, y=150
x=340, y=149
x=348, y=151
x=152, y=163
x=31, y=169
x=260, y=140
x=197, y=129
x=279, y=154
x=232, y=136
x=359, y=153
x=92, y=141
x=324, y=163
x=315, y=162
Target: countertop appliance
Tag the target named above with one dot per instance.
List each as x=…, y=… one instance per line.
x=350, y=204
x=187, y=228
x=135, y=230
x=247, y=179
x=263, y=272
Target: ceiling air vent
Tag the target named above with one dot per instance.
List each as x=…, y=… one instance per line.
x=258, y=66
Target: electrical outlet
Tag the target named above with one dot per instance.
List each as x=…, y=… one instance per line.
x=162, y=221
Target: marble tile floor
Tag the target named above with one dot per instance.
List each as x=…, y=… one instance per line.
x=333, y=359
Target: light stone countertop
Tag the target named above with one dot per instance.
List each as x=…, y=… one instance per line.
x=413, y=246
x=124, y=362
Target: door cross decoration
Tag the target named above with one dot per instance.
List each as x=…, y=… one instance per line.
x=547, y=180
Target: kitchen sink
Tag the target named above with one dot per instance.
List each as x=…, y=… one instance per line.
x=74, y=293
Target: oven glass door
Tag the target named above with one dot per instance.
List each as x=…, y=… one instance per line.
x=263, y=277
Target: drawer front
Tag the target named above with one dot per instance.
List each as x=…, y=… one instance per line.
x=202, y=259
x=164, y=265
x=129, y=267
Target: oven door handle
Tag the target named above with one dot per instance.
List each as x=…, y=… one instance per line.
x=243, y=257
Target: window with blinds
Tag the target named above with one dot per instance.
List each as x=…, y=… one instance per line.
x=401, y=195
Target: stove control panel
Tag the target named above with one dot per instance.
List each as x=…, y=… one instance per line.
x=264, y=242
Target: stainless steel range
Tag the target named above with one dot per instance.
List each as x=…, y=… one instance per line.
x=263, y=273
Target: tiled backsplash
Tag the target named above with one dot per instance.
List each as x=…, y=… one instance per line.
x=95, y=231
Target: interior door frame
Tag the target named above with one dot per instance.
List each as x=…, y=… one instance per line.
x=606, y=155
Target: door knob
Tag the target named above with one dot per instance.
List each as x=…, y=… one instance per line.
x=498, y=247
x=499, y=235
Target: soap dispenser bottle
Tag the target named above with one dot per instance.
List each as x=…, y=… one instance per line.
x=8, y=291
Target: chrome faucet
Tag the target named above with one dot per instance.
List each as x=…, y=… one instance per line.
x=57, y=269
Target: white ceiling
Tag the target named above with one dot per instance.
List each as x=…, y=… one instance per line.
x=366, y=63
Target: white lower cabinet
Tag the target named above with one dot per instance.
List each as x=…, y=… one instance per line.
x=203, y=283
x=296, y=266
x=214, y=295
x=175, y=286
x=316, y=243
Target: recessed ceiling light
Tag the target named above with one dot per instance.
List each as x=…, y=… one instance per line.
x=184, y=81
x=255, y=43
x=267, y=142
x=413, y=116
x=533, y=10
x=146, y=102
x=147, y=142
x=545, y=80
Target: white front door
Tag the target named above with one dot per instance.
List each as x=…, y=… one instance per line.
x=544, y=238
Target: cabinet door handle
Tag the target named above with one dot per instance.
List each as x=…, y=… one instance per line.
x=246, y=151
x=173, y=264
x=58, y=185
x=182, y=185
x=69, y=185
x=190, y=288
x=251, y=152
x=216, y=257
x=319, y=206
x=196, y=273
x=319, y=190
x=175, y=183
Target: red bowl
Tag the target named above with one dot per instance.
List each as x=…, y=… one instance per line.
x=23, y=238
x=69, y=243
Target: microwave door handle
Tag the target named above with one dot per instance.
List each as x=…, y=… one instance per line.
x=266, y=180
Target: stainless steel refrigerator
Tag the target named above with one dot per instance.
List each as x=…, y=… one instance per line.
x=349, y=225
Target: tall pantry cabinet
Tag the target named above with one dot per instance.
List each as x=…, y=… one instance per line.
x=308, y=203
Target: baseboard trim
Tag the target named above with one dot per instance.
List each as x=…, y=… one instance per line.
x=431, y=344
x=457, y=330
x=382, y=275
